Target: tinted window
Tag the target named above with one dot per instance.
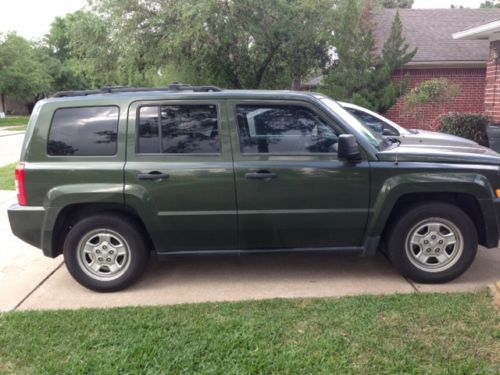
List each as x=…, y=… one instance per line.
x=373, y=122
x=183, y=129
x=83, y=131
x=149, y=133
x=283, y=129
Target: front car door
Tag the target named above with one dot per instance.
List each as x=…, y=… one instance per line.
x=179, y=174
x=292, y=190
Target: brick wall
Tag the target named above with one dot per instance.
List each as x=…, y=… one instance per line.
x=470, y=99
x=492, y=91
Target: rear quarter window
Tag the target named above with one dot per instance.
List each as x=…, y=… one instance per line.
x=83, y=131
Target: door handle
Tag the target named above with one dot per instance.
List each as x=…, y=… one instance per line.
x=261, y=175
x=152, y=176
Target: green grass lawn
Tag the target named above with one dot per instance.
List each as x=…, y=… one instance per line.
x=7, y=177
x=421, y=333
x=14, y=120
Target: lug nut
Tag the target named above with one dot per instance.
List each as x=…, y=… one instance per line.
x=108, y=259
x=98, y=251
x=433, y=237
x=437, y=250
x=111, y=252
x=441, y=242
x=428, y=250
x=104, y=247
x=426, y=242
x=100, y=259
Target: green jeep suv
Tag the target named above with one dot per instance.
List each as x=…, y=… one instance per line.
x=108, y=176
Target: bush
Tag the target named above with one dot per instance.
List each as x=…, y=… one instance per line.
x=435, y=92
x=467, y=125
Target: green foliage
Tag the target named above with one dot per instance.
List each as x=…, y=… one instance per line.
x=359, y=75
x=24, y=74
x=395, y=3
x=490, y=4
x=435, y=92
x=81, y=42
x=467, y=125
x=239, y=44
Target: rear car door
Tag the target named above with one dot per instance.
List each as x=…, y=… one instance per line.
x=179, y=174
x=292, y=190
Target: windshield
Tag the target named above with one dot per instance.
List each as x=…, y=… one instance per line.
x=374, y=138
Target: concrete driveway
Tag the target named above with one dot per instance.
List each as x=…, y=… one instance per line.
x=30, y=281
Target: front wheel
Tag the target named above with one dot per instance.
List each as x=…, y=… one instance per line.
x=105, y=252
x=432, y=242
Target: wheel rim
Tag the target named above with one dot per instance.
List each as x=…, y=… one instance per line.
x=434, y=245
x=103, y=254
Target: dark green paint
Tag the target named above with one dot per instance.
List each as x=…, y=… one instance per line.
x=317, y=202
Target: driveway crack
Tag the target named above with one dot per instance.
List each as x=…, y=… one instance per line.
x=37, y=286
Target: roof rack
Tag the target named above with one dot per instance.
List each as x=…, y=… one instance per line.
x=175, y=86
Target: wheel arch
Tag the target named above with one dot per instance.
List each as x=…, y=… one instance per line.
x=72, y=213
x=470, y=192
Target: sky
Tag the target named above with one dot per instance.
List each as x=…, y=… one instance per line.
x=32, y=18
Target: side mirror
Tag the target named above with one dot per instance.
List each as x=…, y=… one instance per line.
x=348, y=148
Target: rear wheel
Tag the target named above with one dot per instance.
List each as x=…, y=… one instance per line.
x=432, y=242
x=105, y=252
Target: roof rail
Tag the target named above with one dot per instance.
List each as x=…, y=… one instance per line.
x=175, y=86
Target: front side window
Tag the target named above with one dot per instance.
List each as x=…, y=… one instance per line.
x=178, y=129
x=283, y=129
x=83, y=131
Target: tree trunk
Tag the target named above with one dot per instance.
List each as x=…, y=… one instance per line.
x=297, y=83
x=3, y=104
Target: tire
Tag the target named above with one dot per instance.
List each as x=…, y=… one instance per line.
x=105, y=252
x=432, y=242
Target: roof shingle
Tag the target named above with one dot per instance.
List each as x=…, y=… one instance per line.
x=430, y=30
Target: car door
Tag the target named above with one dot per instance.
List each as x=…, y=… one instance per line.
x=292, y=190
x=179, y=174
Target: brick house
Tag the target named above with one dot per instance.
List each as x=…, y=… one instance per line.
x=488, y=32
x=461, y=59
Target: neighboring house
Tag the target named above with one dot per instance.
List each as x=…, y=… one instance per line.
x=13, y=107
x=461, y=60
x=488, y=32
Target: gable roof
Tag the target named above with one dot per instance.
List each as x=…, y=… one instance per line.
x=431, y=31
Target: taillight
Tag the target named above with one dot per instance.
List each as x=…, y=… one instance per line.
x=20, y=188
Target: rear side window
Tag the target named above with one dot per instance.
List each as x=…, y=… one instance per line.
x=178, y=129
x=84, y=131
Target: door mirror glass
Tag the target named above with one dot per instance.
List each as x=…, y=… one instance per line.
x=348, y=147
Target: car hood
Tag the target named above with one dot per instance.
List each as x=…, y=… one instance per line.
x=428, y=138
x=472, y=154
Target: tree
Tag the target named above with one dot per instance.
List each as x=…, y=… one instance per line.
x=23, y=72
x=490, y=4
x=81, y=42
x=359, y=75
x=239, y=44
x=395, y=3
